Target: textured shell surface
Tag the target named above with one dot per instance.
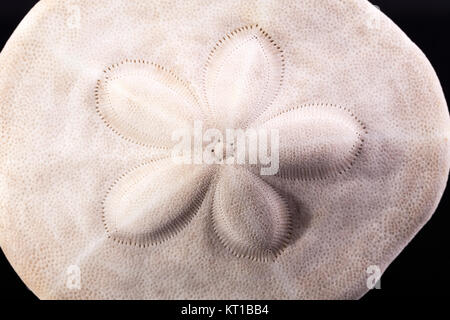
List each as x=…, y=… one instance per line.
x=93, y=205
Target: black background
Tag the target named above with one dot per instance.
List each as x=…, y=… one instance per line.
x=422, y=269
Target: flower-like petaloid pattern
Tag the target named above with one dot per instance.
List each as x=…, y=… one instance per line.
x=145, y=103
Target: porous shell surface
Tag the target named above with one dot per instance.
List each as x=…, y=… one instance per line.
x=58, y=159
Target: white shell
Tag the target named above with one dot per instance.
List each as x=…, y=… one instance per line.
x=356, y=183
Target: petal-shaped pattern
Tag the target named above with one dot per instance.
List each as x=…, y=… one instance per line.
x=154, y=201
x=249, y=217
x=145, y=103
x=243, y=76
x=316, y=140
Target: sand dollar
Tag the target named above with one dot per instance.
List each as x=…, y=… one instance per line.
x=94, y=101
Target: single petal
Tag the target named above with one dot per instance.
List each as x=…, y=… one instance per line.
x=316, y=141
x=243, y=76
x=249, y=217
x=154, y=201
x=145, y=103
